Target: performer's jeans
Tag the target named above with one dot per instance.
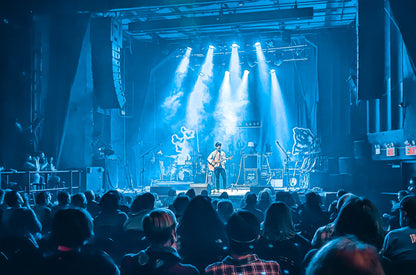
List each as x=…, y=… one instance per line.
x=217, y=172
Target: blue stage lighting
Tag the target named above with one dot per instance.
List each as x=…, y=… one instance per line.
x=234, y=45
x=257, y=44
x=211, y=47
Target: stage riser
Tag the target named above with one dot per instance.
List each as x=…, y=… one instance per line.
x=162, y=188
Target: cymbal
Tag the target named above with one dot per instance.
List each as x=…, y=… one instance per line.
x=172, y=157
x=389, y=193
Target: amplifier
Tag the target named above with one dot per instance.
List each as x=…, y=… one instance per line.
x=251, y=176
x=251, y=161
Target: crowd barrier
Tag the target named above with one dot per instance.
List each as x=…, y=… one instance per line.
x=35, y=181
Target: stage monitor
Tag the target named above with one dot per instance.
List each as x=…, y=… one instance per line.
x=251, y=161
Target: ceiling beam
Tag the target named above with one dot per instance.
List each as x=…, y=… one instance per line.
x=224, y=19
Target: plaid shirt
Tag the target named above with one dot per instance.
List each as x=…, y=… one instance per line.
x=247, y=265
x=323, y=234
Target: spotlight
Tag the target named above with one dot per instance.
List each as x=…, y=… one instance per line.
x=188, y=48
x=278, y=62
x=257, y=44
x=270, y=44
x=272, y=71
x=211, y=47
x=234, y=45
x=246, y=71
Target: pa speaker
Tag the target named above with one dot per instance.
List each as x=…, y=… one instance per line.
x=106, y=44
x=94, y=179
x=371, y=49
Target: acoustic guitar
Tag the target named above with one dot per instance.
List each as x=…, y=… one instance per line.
x=212, y=165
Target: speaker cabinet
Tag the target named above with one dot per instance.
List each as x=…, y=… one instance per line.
x=251, y=161
x=106, y=45
x=371, y=48
x=94, y=179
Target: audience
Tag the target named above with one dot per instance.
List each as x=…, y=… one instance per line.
x=93, y=206
x=311, y=215
x=265, y=200
x=345, y=256
x=79, y=201
x=393, y=219
x=243, y=230
x=251, y=202
x=161, y=256
x=201, y=234
x=18, y=242
x=324, y=233
x=191, y=193
x=225, y=210
x=71, y=229
x=359, y=217
x=140, y=207
x=400, y=244
x=280, y=242
x=42, y=210
x=179, y=205
x=64, y=200
x=109, y=223
x=332, y=208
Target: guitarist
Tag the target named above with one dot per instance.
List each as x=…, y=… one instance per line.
x=216, y=163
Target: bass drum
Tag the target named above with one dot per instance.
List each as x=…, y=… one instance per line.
x=184, y=174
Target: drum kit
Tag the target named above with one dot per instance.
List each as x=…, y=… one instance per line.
x=172, y=170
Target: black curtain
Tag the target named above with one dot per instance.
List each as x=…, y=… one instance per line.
x=403, y=12
x=336, y=59
x=66, y=37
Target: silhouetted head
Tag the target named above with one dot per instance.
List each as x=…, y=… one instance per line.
x=312, y=198
x=180, y=204
x=89, y=195
x=63, y=198
x=13, y=199
x=223, y=196
x=345, y=256
x=159, y=226
x=225, y=210
x=79, y=200
x=191, y=193
x=251, y=199
x=71, y=227
x=278, y=223
x=110, y=201
x=358, y=216
x=143, y=201
x=42, y=198
x=408, y=211
x=243, y=230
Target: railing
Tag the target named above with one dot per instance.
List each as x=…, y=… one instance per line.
x=69, y=180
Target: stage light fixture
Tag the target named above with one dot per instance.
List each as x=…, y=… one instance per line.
x=211, y=47
x=257, y=44
x=272, y=71
x=246, y=71
x=234, y=45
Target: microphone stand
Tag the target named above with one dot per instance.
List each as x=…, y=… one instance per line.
x=286, y=169
x=142, y=156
